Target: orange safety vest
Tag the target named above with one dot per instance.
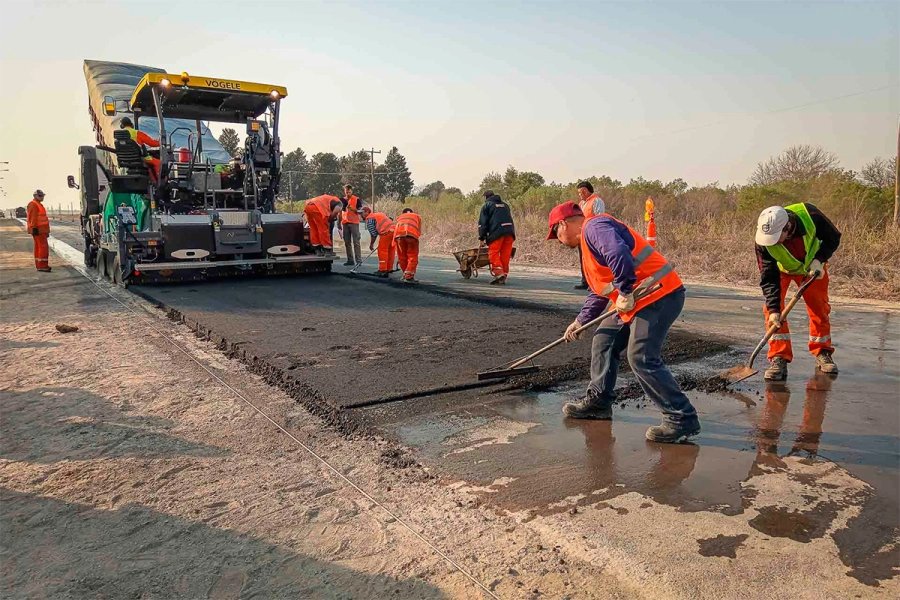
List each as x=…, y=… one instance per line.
x=650, y=267
x=323, y=204
x=383, y=223
x=408, y=225
x=587, y=206
x=37, y=217
x=348, y=216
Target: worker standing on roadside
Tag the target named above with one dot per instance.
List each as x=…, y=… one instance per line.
x=38, y=225
x=142, y=139
x=617, y=262
x=591, y=204
x=792, y=243
x=381, y=228
x=407, y=231
x=350, y=226
x=320, y=212
x=496, y=229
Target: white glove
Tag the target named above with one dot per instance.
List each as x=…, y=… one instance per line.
x=774, y=319
x=625, y=302
x=816, y=268
x=570, y=334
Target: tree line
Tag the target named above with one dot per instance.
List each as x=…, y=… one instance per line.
x=306, y=176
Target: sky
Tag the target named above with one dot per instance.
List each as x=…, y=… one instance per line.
x=700, y=91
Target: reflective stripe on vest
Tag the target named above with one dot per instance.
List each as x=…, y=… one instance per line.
x=650, y=267
x=351, y=217
x=408, y=225
x=787, y=263
x=383, y=223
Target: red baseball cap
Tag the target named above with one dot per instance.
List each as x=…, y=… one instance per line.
x=561, y=212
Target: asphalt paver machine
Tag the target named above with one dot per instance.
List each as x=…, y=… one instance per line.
x=187, y=209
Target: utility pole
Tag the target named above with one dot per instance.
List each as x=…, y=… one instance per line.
x=373, y=152
x=897, y=181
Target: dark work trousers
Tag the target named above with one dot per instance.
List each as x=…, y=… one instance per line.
x=643, y=339
x=351, y=242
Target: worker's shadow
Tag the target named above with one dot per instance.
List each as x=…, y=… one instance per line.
x=56, y=549
x=46, y=425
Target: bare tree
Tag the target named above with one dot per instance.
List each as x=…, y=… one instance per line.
x=797, y=163
x=879, y=172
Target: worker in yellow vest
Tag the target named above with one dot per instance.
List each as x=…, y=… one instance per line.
x=792, y=243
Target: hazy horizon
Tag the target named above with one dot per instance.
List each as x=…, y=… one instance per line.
x=700, y=91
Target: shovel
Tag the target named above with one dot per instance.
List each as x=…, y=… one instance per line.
x=742, y=372
x=515, y=368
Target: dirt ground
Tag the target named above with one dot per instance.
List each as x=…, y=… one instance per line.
x=127, y=471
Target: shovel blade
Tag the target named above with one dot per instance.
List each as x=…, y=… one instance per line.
x=506, y=373
x=738, y=373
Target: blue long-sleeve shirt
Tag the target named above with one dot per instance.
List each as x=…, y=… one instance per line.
x=611, y=245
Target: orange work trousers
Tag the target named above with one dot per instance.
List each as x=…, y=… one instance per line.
x=319, y=229
x=500, y=251
x=41, y=251
x=408, y=255
x=386, y=252
x=818, y=309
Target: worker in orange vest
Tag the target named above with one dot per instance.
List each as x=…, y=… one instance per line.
x=381, y=228
x=591, y=204
x=407, y=231
x=39, y=227
x=320, y=212
x=142, y=139
x=617, y=262
x=350, y=226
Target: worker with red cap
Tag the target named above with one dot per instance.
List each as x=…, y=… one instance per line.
x=617, y=263
x=381, y=229
x=321, y=212
x=38, y=225
x=792, y=243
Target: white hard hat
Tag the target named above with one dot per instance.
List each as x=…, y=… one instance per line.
x=770, y=224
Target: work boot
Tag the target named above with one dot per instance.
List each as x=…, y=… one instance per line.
x=349, y=263
x=777, y=370
x=498, y=280
x=673, y=433
x=44, y=269
x=581, y=286
x=589, y=407
x=383, y=274
x=826, y=363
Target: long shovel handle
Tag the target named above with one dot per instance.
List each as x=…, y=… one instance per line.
x=596, y=321
x=784, y=313
x=353, y=270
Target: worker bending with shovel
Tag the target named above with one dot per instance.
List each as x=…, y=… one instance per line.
x=792, y=243
x=320, y=213
x=381, y=229
x=407, y=231
x=617, y=263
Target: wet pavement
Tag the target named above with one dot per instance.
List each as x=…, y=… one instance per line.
x=808, y=461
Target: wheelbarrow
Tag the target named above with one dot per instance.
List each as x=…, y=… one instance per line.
x=473, y=259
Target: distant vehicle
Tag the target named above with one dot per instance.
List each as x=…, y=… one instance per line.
x=21, y=213
x=2, y=214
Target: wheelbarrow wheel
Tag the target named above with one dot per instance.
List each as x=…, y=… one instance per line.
x=467, y=273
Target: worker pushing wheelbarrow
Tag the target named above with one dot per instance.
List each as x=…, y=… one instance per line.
x=497, y=234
